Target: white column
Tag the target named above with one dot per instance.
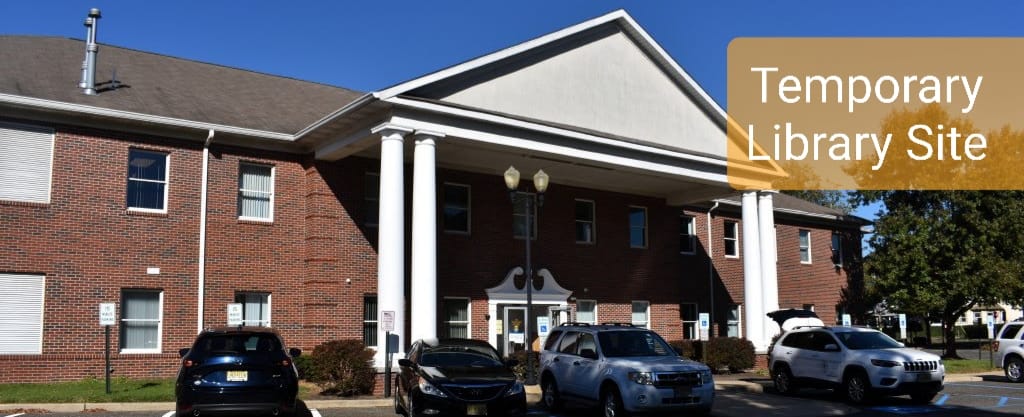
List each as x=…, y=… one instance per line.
x=424, y=238
x=752, y=298
x=391, y=237
x=769, y=257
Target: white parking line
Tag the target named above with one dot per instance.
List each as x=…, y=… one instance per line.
x=984, y=386
x=15, y=415
x=168, y=414
x=314, y=413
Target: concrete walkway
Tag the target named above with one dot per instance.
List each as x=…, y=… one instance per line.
x=734, y=382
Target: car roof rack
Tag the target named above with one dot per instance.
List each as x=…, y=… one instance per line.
x=809, y=327
x=574, y=323
x=617, y=324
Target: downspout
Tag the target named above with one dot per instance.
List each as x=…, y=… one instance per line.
x=711, y=268
x=202, y=231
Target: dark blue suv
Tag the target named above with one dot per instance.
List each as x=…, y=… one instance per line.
x=238, y=370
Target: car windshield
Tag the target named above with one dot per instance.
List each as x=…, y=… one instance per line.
x=231, y=344
x=460, y=355
x=633, y=343
x=867, y=340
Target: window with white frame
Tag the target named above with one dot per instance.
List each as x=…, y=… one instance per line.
x=585, y=215
x=147, y=180
x=21, y=309
x=456, y=208
x=805, y=246
x=255, y=192
x=26, y=163
x=731, y=237
x=141, y=317
x=637, y=227
x=371, y=199
x=837, y=249
x=732, y=322
x=456, y=318
x=370, y=321
x=586, y=311
x=687, y=235
x=255, y=308
x=641, y=314
x=520, y=217
x=688, y=312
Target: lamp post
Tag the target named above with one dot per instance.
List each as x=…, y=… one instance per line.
x=540, y=182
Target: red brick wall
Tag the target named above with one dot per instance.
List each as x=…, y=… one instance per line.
x=317, y=260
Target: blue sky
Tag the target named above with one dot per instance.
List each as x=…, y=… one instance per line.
x=371, y=45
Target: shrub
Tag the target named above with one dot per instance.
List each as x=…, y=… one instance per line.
x=520, y=368
x=730, y=353
x=303, y=364
x=342, y=367
x=690, y=349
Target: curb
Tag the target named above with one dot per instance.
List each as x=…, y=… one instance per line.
x=532, y=396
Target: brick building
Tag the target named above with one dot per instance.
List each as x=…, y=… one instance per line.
x=182, y=187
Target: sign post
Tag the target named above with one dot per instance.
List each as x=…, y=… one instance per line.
x=704, y=326
x=108, y=317
x=903, y=326
x=387, y=323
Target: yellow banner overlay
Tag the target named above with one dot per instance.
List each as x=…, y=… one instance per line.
x=876, y=113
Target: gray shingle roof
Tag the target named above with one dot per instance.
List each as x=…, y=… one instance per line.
x=50, y=68
x=786, y=202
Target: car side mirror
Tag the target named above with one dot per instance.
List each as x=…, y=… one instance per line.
x=512, y=363
x=588, y=353
x=182, y=352
x=406, y=363
x=902, y=345
x=295, y=352
x=831, y=347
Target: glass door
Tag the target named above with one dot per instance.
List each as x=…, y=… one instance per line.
x=515, y=329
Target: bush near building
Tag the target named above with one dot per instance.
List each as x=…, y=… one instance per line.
x=341, y=367
x=730, y=353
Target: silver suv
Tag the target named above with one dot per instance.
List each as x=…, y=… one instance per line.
x=622, y=368
x=1009, y=347
x=859, y=362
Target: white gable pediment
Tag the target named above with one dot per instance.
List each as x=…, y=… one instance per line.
x=608, y=78
x=549, y=292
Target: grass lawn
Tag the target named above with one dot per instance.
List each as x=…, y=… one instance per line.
x=94, y=391
x=968, y=366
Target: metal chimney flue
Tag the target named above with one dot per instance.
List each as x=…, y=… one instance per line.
x=88, y=83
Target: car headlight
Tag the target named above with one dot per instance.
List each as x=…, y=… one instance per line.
x=428, y=389
x=643, y=378
x=705, y=376
x=517, y=388
x=885, y=364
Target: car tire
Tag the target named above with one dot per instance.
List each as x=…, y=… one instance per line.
x=398, y=405
x=611, y=403
x=1014, y=369
x=856, y=387
x=923, y=397
x=783, y=380
x=550, y=397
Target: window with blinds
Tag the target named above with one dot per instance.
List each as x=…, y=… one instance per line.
x=641, y=314
x=255, y=308
x=147, y=181
x=141, y=314
x=21, y=314
x=586, y=311
x=255, y=192
x=26, y=163
x=370, y=321
x=456, y=318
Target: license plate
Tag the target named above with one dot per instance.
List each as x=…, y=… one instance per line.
x=681, y=392
x=238, y=376
x=476, y=409
x=924, y=377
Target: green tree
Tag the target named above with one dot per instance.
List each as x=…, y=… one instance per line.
x=937, y=254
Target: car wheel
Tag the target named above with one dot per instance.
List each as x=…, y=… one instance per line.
x=1014, y=369
x=783, y=380
x=856, y=387
x=611, y=403
x=923, y=397
x=398, y=404
x=550, y=396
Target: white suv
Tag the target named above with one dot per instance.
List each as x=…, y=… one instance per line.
x=622, y=368
x=1009, y=347
x=858, y=361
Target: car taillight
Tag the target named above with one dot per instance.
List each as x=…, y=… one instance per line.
x=188, y=363
x=286, y=362
x=995, y=346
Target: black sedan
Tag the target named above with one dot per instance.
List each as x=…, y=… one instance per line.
x=457, y=377
x=238, y=370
